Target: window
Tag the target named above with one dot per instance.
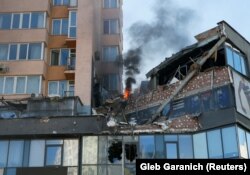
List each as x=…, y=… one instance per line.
x=222, y=97
x=60, y=2
x=214, y=144
x=159, y=146
x=53, y=155
x=26, y=21
x=22, y=20
x=185, y=146
x=57, y=88
x=4, y=153
x=60, y=57
x=147, y=147
x=207, y=101
x=1, y=85
x=4, y=52
x=55, y=54
x=194, y=104
x=15, y=158
x=110, y=53
x=248, y=142
x=89, y=147
x=15, y=51
x=111, y=3
x=70, y=153
x=200, y=146
x=60, y=27
x=23, y=51
x=37, y=151
x=73, y=3
x=35, y=51
x=5, y=21
x=110, y=82
x=37, y=20
x=171, y=151
x=16, y=21
x=72, y=24
x=111, y=26
x=33, y=84
x=20, y=85
x=242, y=143
x=229, y=142
x=236, y=60
x=9, y=85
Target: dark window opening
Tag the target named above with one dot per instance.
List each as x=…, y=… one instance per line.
x=216, y=60
x=115, y=152
x=130, y=152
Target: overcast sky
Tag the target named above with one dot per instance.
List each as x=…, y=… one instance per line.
x=204, y=14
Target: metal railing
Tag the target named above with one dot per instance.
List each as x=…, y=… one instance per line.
x=71, y=63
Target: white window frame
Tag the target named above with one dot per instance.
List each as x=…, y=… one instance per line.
x=61, y=3
x=57, y=91
x=69, y=26
x=60, y=55
x=21, y=20
x=61, y=26
x=27, y=51
x=15, y=85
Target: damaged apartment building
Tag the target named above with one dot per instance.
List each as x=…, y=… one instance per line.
x=198, y=106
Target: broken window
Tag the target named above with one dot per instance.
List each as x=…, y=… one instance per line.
x=130, y=152
x=115, y=152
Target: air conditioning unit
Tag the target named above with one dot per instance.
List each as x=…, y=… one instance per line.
x=3, y=68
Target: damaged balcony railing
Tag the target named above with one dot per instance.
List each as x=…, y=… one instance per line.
x=71, y=63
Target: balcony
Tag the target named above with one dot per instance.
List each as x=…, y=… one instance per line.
x=70, y=68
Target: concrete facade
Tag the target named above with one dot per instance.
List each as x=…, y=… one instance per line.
x=87, y=45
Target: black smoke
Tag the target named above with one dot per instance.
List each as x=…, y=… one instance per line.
x=168, y=31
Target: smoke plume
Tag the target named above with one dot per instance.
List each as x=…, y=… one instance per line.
x=167, y=32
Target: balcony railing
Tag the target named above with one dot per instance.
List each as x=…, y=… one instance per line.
x=71, y=63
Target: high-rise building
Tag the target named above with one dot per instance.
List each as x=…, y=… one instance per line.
x=60, y=48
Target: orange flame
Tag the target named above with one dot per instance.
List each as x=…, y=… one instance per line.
x=126, y=94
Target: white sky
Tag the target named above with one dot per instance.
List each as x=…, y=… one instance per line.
x=208, y=13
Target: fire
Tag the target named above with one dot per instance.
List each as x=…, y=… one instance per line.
x=126, y=94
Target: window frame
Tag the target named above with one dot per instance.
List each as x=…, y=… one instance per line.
x=242, y=59
x=72, y=26
x=60, y=27
x=61, y=3
x=109, y=52
x=18, y=50
x=58, y=93
x=14, y=91
x=60, y=56
x=21, y=15
x=109, y=32
x=110, y=4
